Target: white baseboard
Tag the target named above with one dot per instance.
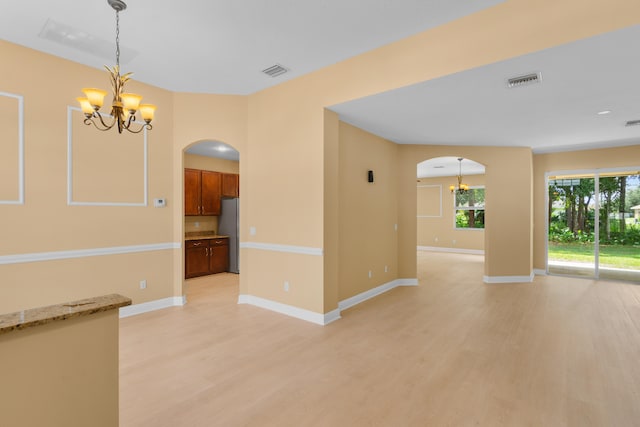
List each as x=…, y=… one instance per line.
x=509, y=279
x=158, y=304
x=539, y=272
x=289, y=310
x=371, y=293
x=326, y=318
x=407, y=282
x=332, y=316
x=451, y=250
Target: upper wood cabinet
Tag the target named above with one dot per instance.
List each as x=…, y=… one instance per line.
x=192, y=192
x=230, y=185
x=210, y=193
x=202, y=192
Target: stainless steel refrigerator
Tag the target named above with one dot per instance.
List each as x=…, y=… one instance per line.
x=228, y=225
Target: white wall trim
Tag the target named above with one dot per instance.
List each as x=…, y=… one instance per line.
x=303, y=250
x=70, y=200
x=81, y=253
x=289, y=310
x=407, y=282
x=539, y=272
x=20, y=200
x=332, y=316
x=451, y=250
x=158, y=304
x=371, y=293
x=509, y=279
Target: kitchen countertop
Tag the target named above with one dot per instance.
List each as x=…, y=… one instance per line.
x=53, y=313
x=197, y=235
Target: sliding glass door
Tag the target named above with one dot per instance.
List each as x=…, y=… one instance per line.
x=619, y=235
x=593, y=225
x=571, y=219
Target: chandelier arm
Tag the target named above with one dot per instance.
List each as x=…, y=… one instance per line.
x=99, y=116
x=136, y=131
x=89, y=121
x=130, y=120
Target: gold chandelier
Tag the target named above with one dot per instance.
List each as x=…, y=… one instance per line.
x=124, y=105
x=460, y=188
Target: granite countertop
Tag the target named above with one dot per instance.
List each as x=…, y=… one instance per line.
x=53, y=313
x=197, y=235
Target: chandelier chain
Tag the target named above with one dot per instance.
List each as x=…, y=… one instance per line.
x=118, y=39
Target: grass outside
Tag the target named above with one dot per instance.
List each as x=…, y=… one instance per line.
x=614, y=256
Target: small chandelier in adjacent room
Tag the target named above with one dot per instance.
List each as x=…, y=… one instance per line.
x=460, y=188
x=124, y=105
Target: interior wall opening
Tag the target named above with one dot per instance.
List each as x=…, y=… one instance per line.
x=450, y=205
x=593, y=224
x=211, y=211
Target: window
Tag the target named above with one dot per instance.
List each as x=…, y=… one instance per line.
x=469, y=209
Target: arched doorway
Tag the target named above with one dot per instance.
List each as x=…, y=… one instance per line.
x=210, y=215
x=450, y=219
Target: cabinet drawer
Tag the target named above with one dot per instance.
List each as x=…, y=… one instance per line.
x=219, y=242
x=197, y=243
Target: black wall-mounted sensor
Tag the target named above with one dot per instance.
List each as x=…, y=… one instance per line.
x=370, y=176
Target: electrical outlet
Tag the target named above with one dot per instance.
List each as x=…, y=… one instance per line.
x=370, y=274
x=196, y=224
x=436, y=239
x=252, y=231
x=395, y=227
x=386, y=268
x=143, y=284
x=454, y=242
x=286, y=286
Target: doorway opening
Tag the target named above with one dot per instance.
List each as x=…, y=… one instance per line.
x=449, y=220
x=593, y=224
x=211, y=195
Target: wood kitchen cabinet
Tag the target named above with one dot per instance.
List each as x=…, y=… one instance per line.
x=230, y=185
x=202, y=192
x=196, y=258
x=218, y=255
x=206, y=256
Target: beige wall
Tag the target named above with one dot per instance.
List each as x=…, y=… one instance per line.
x=619, y=157
x=46, y=223
x=368, y=212
x=287, y=137
x=509, y=210
x=61, y=374
x=288, y=148
x=438, y=229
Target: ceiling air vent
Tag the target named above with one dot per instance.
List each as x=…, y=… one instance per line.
x=633, y=123
x=275, y=70
x=524, y=80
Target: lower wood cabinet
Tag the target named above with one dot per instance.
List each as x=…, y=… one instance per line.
x=206, y=256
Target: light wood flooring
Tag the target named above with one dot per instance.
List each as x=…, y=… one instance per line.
x=451, y=352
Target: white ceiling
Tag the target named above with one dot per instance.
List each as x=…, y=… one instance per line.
x=215, y=46
x=214, y=149
x=448, y=166
x=475, y=107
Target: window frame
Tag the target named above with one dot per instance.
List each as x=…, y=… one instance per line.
x=467, y=208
